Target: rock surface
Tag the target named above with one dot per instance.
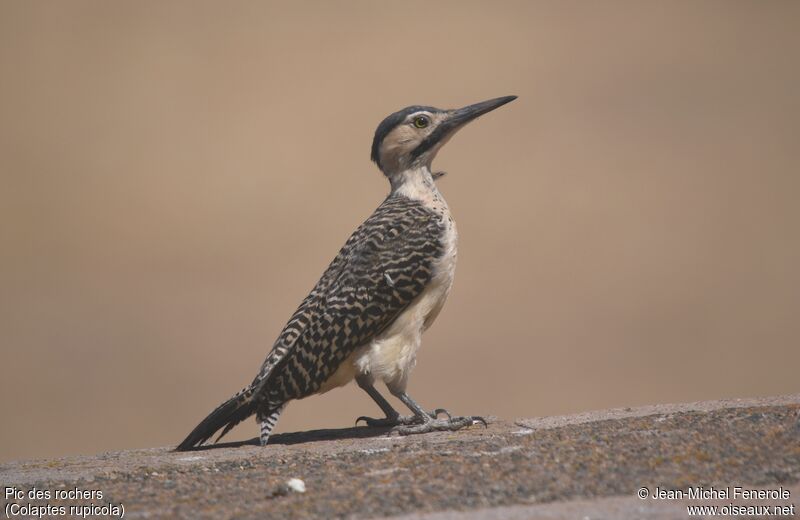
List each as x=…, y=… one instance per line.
x=587, y=465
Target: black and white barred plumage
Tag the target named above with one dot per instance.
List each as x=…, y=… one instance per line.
x=365, y=317
x=352, y=303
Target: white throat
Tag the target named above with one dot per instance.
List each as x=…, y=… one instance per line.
x=417, y=183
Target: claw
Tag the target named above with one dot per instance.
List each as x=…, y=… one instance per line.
x=436, y=413
x=451, y=424
x=372, y=422
x=479, y=420
x=384, y=422
x=406, y=425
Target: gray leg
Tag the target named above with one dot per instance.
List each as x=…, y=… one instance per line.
x=366, y=385
x=392, y=417
x=268, y=423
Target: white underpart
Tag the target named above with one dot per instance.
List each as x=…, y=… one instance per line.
x=390, y=356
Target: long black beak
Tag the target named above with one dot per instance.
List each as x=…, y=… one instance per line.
x=462, y=116
x=456, y=119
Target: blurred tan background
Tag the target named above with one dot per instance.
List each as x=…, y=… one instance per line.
x=176, y=176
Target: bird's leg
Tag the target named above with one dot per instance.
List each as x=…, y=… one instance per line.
x=393, y=418
x=429, y=423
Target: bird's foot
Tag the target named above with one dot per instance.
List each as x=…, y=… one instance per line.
x=403, y=420
x=451, y=424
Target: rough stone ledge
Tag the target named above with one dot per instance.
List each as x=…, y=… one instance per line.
x=583, y=465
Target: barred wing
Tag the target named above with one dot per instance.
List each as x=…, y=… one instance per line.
x=382, y=268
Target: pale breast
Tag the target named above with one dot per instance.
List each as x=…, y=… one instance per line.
x=444, y=270
x=391, y=355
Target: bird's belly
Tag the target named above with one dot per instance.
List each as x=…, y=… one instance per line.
x=346, y=372
x=392, y=354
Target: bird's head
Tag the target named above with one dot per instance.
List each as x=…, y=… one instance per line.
x=411, y=137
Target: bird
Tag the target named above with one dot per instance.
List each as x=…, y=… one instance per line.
x=365, y=317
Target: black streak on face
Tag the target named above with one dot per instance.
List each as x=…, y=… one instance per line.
x=388, y=124
x=429, y=142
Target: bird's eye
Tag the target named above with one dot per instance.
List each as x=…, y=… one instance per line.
x=421, y=121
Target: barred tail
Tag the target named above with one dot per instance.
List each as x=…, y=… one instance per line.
x=227, y=415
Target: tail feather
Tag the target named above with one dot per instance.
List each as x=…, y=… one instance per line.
x=227, y=415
